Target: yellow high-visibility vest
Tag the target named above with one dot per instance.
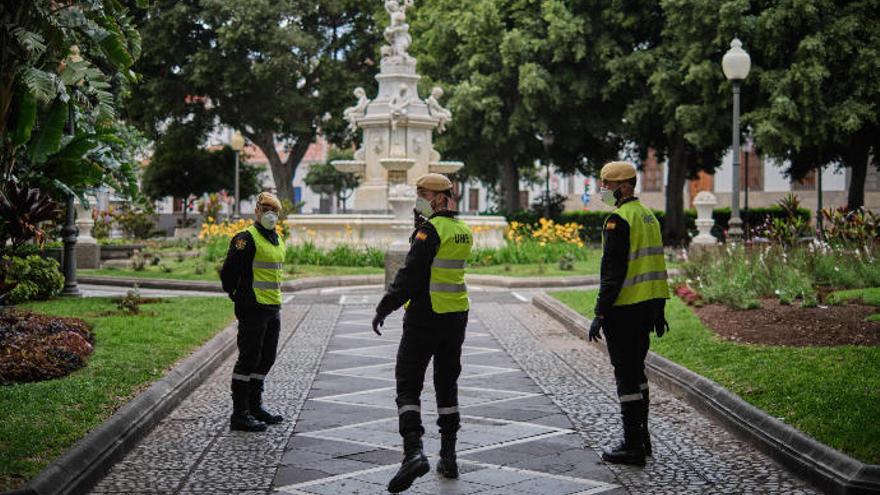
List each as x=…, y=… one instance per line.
x=268, y=268
x=646, y=271
x=447, y=288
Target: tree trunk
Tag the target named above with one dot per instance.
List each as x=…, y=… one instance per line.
x=282, y=171
x=857, y=160
x=674, y=229
x=508, y=175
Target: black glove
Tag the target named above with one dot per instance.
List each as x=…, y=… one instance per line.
x=378, y=321
x=660, y=326
x=594, y=335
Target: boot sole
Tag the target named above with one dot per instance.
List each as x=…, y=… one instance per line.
x=242, y=428
x=406, y=482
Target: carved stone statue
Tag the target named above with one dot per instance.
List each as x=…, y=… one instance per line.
x=352, y=114
x=437, y=111
x=398, y=105
x=397, y=33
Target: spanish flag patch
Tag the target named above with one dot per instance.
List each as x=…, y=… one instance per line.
x=421, y=236
x=610, y=225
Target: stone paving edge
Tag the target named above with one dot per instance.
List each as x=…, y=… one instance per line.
x=91, y=457
x=828, y=468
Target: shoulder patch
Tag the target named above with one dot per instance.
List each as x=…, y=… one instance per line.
x=421, y=236
x=240, y=244
x=610, y=225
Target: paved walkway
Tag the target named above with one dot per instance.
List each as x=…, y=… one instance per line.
x=537, y=405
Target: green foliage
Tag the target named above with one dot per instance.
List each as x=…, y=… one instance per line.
x=740, y=276
x=850, y=228
x=181, y=167
x=341, y=255
x=136, y=223
x=323, y=178
x=64, y=72
x=131, y=303
x=527, y=252
x=566, y=262
x=870, y=296
x=22, y=210
x=36, y=279
x=215, y=248
x=268, y=77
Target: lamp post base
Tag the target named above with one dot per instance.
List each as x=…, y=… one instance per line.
x=734, y=229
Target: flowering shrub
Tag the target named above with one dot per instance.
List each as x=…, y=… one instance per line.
x=210, y=205
x=545, y=242
x=546, y=232
x=740, y=277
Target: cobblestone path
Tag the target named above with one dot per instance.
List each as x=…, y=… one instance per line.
x=537, y=404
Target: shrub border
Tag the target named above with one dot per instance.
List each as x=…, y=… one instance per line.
x=830, y=469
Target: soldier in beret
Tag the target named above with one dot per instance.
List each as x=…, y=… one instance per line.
x=251, y=275
x=431, y=286
x=632, y=298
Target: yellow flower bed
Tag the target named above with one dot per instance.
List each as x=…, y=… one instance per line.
x=228, y=228
x=546, y=232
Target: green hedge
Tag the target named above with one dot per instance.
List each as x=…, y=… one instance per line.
x=591, y=222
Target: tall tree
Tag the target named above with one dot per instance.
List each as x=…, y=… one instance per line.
x=819, y=85
x=181, y=166
x=668, y=68
x=515, y=70
x=271, y=69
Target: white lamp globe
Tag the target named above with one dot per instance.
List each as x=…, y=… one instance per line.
x=736, y=62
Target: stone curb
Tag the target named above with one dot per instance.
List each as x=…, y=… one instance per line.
x=828, y=468
x=530, y=282
x=91, y=458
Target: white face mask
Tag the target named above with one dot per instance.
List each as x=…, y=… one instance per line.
x=608, y=196
x=269, y=219
x=423, y=206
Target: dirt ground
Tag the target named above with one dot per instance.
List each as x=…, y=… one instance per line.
x=776, y=324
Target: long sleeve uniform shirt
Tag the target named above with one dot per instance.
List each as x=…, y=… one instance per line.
x=412, y=281
x=237, y=274
x=615, y=261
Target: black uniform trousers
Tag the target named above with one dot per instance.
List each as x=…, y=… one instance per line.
x=258, y=330
x=422, y=341
x=626, y=335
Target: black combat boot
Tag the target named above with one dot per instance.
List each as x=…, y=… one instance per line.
x=646, y=435
x=414, y=464
x=255, y=405
x=241, y=418
x=631, y=450
x=447, y=467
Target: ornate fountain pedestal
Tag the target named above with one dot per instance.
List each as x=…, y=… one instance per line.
x=397, y=148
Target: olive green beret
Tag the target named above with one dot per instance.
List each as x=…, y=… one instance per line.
x=268, y=199
x=618, y=171
x=434, y=182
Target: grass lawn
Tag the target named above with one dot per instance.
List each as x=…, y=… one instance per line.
x=188, y=268
x=43, y=419
x=829, y=393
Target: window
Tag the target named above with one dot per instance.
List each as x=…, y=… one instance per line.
x=524, y=200
x=474, y=199
x=652, y=174
x=752, y=162
x=297, y=194
x=808, y=183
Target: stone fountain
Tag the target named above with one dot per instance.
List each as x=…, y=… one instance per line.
x=397, y=148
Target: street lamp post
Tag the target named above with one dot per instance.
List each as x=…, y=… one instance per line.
x=736, y=64
x=747, y=149
x=547, y=140
x=237, y=144
x=69, y=232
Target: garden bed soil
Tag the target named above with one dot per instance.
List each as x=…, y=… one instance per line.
x=36, y=347
x=792, y=325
